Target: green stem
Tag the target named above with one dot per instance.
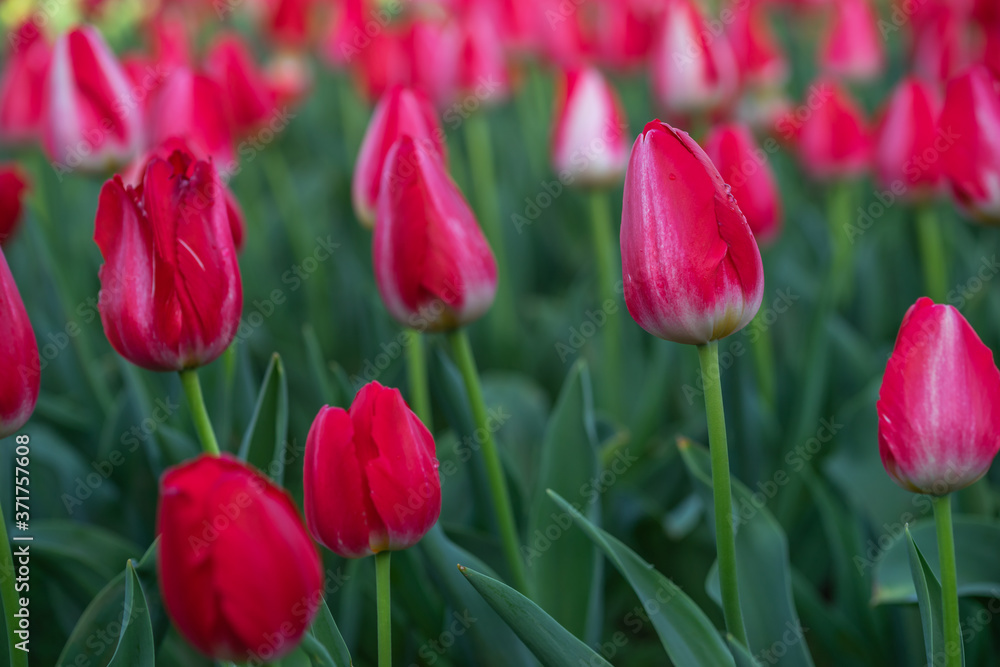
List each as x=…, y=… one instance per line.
x=932, y=254
x=605, y=251
x=494, y=470
x=202, y=423
x=18, y=658
x=725, y=536
x=384, y=608
x=763, y=356
x=416, y=361
x=949, y=581
x=839, y=217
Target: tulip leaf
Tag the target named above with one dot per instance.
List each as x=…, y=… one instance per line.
x=332, y=650
x=740, y=653
x=977, y=543
x=565, y=567
x=552, y=644
x=135, y=642
x=763, y=568
x=928, y=590
x=266, y=436
x=686, y=633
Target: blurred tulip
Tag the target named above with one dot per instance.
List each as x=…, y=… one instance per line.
x=171, y=294
x=834, y=141
x=370, y=479
x=434, y=59
x=745, y=168
x=90, y=121
x=346, y=28
x=940, y=44
x=290, y=78
x=434, y=269
x=482, y=70
x=907, y=143
x=971, y=120
x=939, y=406
x=625, y=31
x=191, y=105
x=22, y=86
x=170, y=40
x=385, y=63
x=288, y=23
x=852, y=47
x=691, y=267
x=758, y=52
x=991, y=54
x=19, y=362
x=589, y=144
x=402, y=111
x=240, y=577
x=13, y=185
x=246, y=94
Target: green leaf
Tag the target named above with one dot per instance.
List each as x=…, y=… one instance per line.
x=686, y=633
x=267, y=433
x=763, y=570
x=135, y=642
x=565, y=567
x=326, y=633
x=740, y=653
x=551, y=643
x=977, y=543
x=928, y=590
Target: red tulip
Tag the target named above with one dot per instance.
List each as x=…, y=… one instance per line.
x=853, y=45
x=972, y=165
x=370, y=476
x=745, y=168
x=433, y=266
x=991, y=55
x=170, y=40
x=939, y=407
x=433, y=48
x=288, y=23
x=384, y=63
x=171, y=293
x=691, y=267
x=289, y=76
x=758, y=53
x=588, y=143
x=482, y=59
x=88, y=121
x=834, y=141
x=13, y=185
x=402, y=111
x=191, y=105
x=625, y=31
x=19, y=362
x=246, y=94
x=941, y=41
x=241, y=579
x=22, y=87
x=908, y=145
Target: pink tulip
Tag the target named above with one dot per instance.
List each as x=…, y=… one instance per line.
x=907, y=144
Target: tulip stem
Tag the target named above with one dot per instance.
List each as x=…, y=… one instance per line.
x=416, y=361
x=725, y=536
x=949, y=581
x=202, y=423
x=18, y=658
x=494, y=470
x=384, y=608
x=763, y=355
x=932, y=253
x=605, y=250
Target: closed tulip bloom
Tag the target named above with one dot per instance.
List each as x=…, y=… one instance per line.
x=19, y=362
x=248, y=98
x=907, y=135
x=240, y=577
x=625, y=31
x=191, y=105
x=735, y=153
x=433, y=266
x=482, y=68
x=589, y=142
x=971, y=115
x=691, y=267
x=88, y=121
x=402, y=111
x=941, y=44
x=370, y=478
x=853, y=45
x=13, y=185
x=22, y=85
x=939, y=407
x=834, y=141
x=171, y=293
x=758, y=53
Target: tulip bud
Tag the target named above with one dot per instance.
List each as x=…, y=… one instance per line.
x=971, y=119
x=240, y=577
x=588, y=143
x=370, y=476
x=834, y=140
x=758, y=53
x=402, y=111
x=625, y=30
x=745, y=168
x=941, y=42
x=171, y=294
x=181, y=108
x=691, y=267
x=13, y=184
x=22, y=87
x=939, y=406
x=19, y=362
x=89, y=122
x=853, y=45
x=246, y=94
x=433, y=266
x=482, y=70
x=906, y=137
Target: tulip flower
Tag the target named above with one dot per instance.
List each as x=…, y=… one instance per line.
x=971, y=166
x=240, y=577
x=289, y=76
x=433, y=58
x=744, y=167
x=482, y=59
x=288, y=23
x=434, y=269
x=171, y=293
x=246, y=94
x=401, y=112
x=853, y=45
x=22, y=85
x=691, y=267
x=941, y=40
x=834, y=140
x=90, y=118
x=905, y=140
x=181, y=108
x=758, y=53
x=19, y=362
x=13, y=184
x=625, y=31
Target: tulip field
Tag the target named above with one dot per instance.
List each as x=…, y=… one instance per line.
x=500, y=333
